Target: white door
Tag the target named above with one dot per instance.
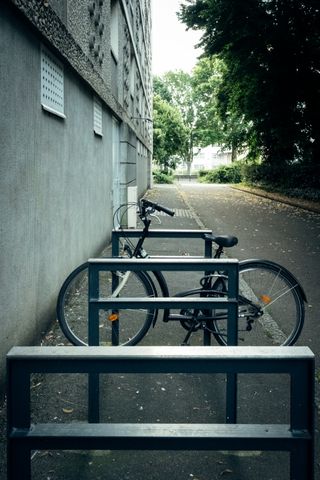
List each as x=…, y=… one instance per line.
x=116, y=193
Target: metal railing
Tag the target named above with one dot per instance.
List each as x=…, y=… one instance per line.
x=231, y=415
x=176, y=264
x=297, y=437
x=229, y=266
x=169, y=234
x=162, y=233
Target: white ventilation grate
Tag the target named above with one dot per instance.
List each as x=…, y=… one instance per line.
x=52, y=83
x=97, y=116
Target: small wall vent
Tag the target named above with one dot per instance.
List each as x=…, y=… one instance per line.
x=97, y=116
x=52, y=83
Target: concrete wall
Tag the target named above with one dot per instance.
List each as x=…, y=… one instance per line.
x=55, y=173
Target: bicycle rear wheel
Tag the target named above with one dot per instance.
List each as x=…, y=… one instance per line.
x=72, y=308
x=271, y=306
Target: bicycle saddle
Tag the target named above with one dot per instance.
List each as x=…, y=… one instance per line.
x=222, y=240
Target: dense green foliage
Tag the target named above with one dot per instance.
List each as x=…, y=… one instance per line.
x=196, y=97
x=281, y=175
x=292, y=180
x=169, y=134
x=271, y=50
x=224, y=174
x=161, y=177
x=215, y=124
x=176, y=88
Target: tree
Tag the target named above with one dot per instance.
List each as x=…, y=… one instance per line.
x=203, y=103
x=161, y=89
x=216, y=122
x=206, y=80
x=169, y=134
x=271, y=49
x=177, y=87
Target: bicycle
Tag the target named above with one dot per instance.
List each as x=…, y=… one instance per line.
x=271, y=301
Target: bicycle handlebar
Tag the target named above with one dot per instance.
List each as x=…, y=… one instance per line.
x=156, y=206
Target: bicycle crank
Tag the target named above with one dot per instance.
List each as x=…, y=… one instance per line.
x=190, y=322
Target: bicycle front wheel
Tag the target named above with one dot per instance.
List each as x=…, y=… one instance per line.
x=121, y=327
x=271, y=306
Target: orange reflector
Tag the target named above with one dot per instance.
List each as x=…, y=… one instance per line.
x=113, y=317
x=265, y=299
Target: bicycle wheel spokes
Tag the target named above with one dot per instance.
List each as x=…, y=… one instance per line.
x=132, y=324
x=273, y=293
x=271, y=311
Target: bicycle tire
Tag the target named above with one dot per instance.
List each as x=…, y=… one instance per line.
x=72, y=308
x=275, y=291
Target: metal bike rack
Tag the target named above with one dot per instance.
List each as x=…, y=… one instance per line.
x=168, y=234
x=162, y=233
x=296, y=437
x=185, y=235
x=230, y=266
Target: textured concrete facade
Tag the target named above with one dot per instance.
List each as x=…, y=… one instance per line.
x=58, y=168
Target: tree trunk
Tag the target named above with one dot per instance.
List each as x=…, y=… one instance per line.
x=234, y=153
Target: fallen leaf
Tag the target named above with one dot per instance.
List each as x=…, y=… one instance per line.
x=67, y=410
x=226, y=471
x=36, y=385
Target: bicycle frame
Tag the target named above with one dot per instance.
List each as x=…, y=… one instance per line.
x=207, y=321
x=139, y=252
x=253, y=303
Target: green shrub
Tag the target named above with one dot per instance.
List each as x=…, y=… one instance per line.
x=202, y=173
x=301, y=176
x=255, y=173
x=161, y=177
x=294, y=176
x=224, y=174
x=312, y=194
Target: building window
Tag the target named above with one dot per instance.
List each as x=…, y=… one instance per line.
x=115, y=29
x=97, y=116
x=52, y=83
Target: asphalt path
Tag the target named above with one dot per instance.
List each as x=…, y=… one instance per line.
x=270, y=230
x=266, y=229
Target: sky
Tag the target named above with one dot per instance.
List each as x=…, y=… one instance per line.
x=173, y=46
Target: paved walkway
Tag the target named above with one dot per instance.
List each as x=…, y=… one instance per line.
x=155, y=398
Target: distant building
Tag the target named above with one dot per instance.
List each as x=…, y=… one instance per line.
x=207, y=158
x=75, y=98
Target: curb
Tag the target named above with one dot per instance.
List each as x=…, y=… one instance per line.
x=294, y=202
